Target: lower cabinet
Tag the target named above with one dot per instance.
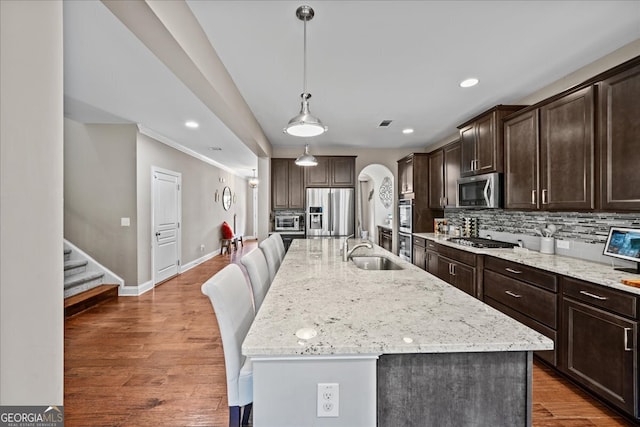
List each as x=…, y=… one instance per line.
x=432, y=257
x=385, y=238
x=600, y=332
x=527, y=294
x=419, y=252
x=457, y=274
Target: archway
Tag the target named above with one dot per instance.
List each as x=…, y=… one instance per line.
x=374, y=206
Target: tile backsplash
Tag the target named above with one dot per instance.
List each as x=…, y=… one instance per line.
x=577, y=226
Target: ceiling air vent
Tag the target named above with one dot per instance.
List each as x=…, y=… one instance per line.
x=385, y=123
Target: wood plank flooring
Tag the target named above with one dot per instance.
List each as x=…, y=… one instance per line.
x=156, y=360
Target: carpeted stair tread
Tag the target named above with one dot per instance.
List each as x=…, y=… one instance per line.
x=68, y=265
x=80, y=278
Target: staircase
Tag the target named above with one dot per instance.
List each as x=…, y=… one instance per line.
x=84, y=281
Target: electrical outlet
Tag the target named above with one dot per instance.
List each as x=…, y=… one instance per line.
x=563, y=244
x=328, y=399
x=201, y=248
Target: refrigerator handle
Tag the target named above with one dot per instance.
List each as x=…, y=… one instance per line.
x=331, y=211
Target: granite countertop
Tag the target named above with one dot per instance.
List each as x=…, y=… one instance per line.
x=365, y=312
x=589, y=271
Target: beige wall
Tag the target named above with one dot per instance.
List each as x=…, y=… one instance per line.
x=201, y=215
x=31, y=140
x=99, y=177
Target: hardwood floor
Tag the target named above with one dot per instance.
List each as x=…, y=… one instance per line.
x=156, y=360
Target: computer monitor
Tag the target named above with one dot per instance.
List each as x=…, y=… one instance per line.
x=624, y=243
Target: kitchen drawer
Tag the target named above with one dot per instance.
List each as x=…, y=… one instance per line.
x=549, y=356
x=419, y=241
x=431, y=245
x=534, y=302
x=522, y=272
x=600, y=296
x=458, y=255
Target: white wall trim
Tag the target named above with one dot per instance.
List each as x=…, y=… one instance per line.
x=188, y=266
x=135, y=291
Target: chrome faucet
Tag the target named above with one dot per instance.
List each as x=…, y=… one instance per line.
x=346, y=252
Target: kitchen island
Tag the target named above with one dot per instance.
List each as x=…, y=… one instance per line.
x=404, y=347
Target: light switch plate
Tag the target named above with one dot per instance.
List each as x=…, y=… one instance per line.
x=125, y=222
x=563, y=244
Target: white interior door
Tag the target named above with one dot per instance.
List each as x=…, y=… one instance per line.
x=165, y=224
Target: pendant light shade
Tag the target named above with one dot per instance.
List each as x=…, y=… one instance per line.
x=305, y=124
x=306, y=159
x=254, y=181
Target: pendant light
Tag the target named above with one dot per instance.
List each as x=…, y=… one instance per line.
x=307, y=158
x=254, y=181
x=305, y=124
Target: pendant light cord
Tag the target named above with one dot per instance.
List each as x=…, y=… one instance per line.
x=304, y=65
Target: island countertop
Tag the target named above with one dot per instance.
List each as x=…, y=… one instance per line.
x=364, y=312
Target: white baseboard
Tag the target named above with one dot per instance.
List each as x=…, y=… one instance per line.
x=135, y=291
x=188, y=266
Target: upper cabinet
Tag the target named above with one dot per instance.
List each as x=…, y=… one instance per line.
x=549, y=155
x=481, y=141
x=332, y=171
x=619, y=140
x=413, y=177
x=444, y=171
x=567, y=152
x=287, y=184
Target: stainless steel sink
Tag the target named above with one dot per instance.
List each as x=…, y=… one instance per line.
x=374, y=263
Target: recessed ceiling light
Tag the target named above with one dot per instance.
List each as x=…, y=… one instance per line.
x=468, y=82
x=191, y=124
x=407, y=131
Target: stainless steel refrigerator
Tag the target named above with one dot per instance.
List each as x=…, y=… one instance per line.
x=330, y=212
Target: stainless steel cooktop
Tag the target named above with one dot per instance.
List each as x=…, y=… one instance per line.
x=480, y=242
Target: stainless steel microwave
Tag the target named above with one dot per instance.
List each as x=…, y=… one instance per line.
x=480, y=191
x=287, y=223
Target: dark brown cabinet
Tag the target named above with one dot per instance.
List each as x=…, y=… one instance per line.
x=431, y=262
x=458, y=268
x=385, y=238
x=287, y=184
x=567, y=152
x=481, y=141
x=527, y=294
x=521, y=153
x=332, y=171
x=549, y=155
x=619, y=139
x=444, y=171
x=457, y=274
x=600, y=341
x=405, y=175
x=413, y=183
x=419, y=252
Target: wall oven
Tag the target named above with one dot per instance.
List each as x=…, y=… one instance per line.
x=287, y=223
x=480, y=191
x=405, y=216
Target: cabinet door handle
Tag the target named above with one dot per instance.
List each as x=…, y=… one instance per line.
x=511, y=270
x=512, y=294
x=533, y=197
x=544, y=196
x=627, y=345
x=452, y=269
x=598, y=297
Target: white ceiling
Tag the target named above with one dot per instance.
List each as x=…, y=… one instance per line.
x=367, y=61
